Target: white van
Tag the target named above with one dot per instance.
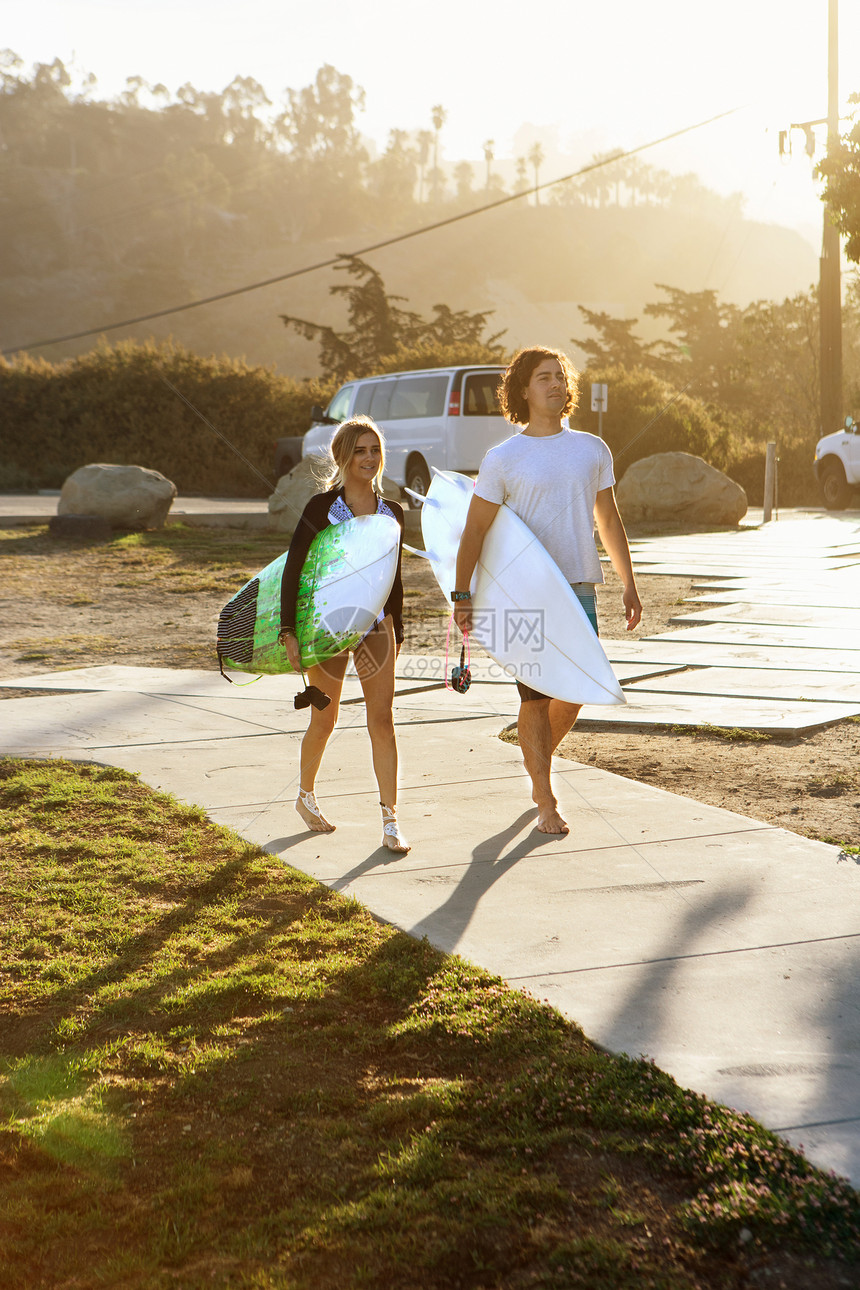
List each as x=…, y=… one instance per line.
x=443, y=416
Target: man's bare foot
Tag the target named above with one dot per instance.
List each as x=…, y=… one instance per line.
x=549, y=821
x=306, y=805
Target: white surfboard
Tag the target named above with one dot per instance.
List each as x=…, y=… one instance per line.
x=524, y=612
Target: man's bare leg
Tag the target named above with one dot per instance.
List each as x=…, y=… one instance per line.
x=562, y=718
x=535, y=736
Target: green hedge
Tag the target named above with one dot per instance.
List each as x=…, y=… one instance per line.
x=112, y=405
x=675, y=422
x=638, y=399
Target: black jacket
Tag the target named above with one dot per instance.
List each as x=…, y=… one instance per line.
x=314, y=519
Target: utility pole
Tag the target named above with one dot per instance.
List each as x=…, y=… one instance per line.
x=830, y=280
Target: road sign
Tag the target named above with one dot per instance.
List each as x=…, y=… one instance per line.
x=599, y=395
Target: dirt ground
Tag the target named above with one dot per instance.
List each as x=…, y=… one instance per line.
x=73, y=605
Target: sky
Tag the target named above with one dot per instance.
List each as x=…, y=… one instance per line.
x=609, y=74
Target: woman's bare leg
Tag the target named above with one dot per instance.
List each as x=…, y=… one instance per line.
x=327, y=677
x=374, y=663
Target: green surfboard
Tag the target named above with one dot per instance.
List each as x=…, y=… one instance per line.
x=344, y=583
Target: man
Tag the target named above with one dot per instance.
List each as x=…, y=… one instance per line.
x=560, y=483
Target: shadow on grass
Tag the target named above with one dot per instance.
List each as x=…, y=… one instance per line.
x=264, y=1085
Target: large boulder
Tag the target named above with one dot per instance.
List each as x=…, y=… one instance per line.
x=294, y=491
x=128, y=497
x=678, y=486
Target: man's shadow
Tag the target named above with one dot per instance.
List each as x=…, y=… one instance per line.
x=445, y=926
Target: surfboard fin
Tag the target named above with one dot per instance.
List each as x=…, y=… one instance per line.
x=420, y=497
x=463, y=482
x=413, y=550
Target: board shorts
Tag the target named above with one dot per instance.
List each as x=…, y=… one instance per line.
x=585, y=594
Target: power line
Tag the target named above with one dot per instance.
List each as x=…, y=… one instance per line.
x=367, y=250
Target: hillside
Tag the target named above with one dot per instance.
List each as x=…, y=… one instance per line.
x=531, y=267
x=112, y=210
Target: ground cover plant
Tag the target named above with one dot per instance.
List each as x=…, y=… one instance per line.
x=214, y=1070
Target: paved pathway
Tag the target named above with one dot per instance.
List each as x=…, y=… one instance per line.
x=726, y=949
x=227, y=512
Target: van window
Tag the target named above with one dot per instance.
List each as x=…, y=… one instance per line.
x=380, y=399
x=480, y=395
x=339, y=406
x=364, y=398
x=418, y=396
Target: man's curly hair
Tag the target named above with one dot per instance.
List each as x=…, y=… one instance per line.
x=518, y=375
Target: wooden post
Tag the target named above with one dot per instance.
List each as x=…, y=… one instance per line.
x=769, y=482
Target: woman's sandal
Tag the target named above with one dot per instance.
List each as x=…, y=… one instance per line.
x=309, y=802
x=391, y=835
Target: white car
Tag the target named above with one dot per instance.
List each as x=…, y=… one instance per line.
x=837, y=465
x=445, y=417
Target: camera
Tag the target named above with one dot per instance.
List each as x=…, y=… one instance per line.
x=461, y=679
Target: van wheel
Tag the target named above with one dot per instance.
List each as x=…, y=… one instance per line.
x=834, y=488
x=417, y=478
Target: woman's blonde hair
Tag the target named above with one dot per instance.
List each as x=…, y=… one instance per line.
x=342, y=449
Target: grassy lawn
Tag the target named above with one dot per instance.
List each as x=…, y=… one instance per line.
x=214, y=1071
x=150, y=599
x=178, y=558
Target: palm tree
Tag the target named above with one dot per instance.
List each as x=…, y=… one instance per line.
x=536, y=158
x=489, y=153
x=424, y=139
x=463, y=176
x=439, y=116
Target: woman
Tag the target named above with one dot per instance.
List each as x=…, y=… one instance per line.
x=353, y=488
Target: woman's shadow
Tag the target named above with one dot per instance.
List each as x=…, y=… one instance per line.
x=445, y=926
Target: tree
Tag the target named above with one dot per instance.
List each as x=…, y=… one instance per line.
x=424, y=141
x=243, y=99
x=393, y=175
x=327, y=158
x=536, y=160
x=616, y=346
x=649, y=415
x=841, y=171
x=778, y=364
x=439, y=117
x=378, y=327
x=463, y=178
x=319, y=121
x=706, y=348
x=489, y=154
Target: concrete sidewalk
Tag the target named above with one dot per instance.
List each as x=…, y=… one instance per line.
x=225, y=512
x=204, y=512
x=724, y=948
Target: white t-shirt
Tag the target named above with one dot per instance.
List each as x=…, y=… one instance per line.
x=552, y=483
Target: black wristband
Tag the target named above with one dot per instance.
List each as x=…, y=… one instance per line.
x=461, y=595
